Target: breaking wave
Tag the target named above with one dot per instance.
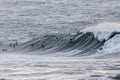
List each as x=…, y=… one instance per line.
x=67, y=45
x=85, y=43
x=81, y=44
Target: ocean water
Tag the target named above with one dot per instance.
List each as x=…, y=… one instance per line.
x=32, y=67
x=26, y=24
x=19, y=18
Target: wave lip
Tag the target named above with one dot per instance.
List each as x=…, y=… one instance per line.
x=89, y=42
x=103, y=31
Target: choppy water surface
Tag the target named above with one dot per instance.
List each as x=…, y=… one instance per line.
x=27, y=67
x=21, y=19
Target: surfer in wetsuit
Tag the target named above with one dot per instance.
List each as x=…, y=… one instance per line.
x=4, y=49
x=42, y=46
x=32, y=45
x=57, y=38
x=16, y=43
x=45, y=36
x=71, y=40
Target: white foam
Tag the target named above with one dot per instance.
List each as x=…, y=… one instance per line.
x=103, y=30
x=111, y=46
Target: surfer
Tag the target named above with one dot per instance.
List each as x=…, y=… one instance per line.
x=4, y=49
x=56, y=38
x=10, y=44
x=32, y=45
x=71, y=40
x=16, y=43
x=42, y=46
x=45, y=36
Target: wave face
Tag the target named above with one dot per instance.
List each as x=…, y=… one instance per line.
x=63, y=45
x=100, y=40
x=89, y=42
x=84, y=45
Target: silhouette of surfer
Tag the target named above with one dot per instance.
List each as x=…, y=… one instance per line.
x=10, y=44
x=45, y=36
x=57, y=38
x=71, y=40
x=4, y=49
x=42, y=46
x=32, y=45
x=16, y=43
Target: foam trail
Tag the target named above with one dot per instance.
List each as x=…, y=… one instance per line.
x=111, y=46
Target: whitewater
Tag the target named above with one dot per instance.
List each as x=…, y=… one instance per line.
x=91, y=42
x=59, y=40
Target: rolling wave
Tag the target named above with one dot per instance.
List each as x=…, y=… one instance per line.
x=89, y=42
x=82, y=44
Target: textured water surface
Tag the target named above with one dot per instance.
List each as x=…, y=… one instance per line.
x=22, y=19
x=31, y=67
x=18, y=18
